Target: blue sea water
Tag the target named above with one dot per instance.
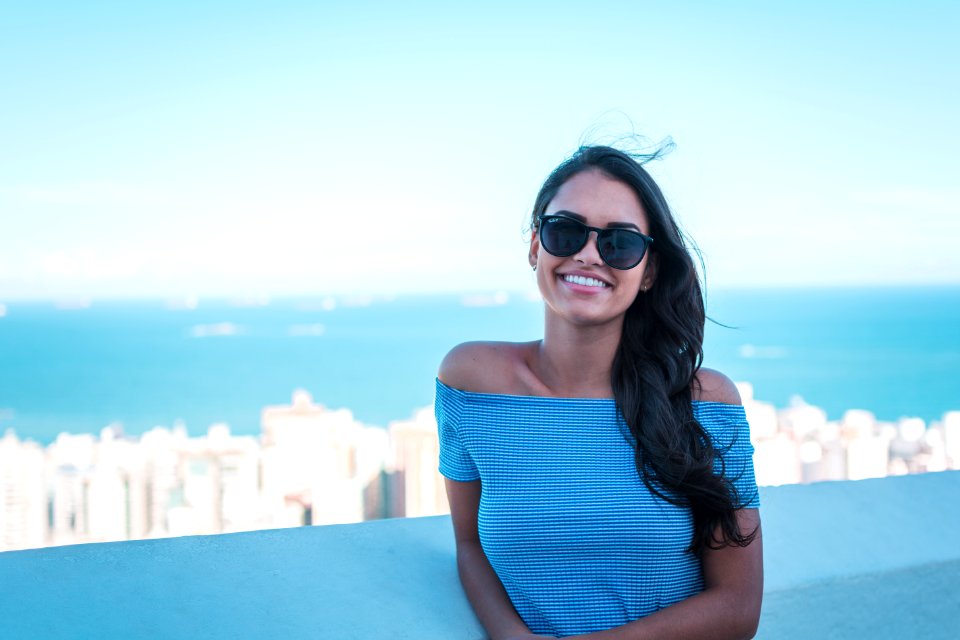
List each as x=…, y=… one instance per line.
x=894, y=351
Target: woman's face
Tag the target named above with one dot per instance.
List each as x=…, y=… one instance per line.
x=581, y=287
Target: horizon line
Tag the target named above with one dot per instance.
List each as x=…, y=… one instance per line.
x=265, y=298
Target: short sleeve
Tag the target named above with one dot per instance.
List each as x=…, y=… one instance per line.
x=728, y=427
x=455, y=461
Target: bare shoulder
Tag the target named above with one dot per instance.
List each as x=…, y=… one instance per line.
x=713, y=386
x=483, y=367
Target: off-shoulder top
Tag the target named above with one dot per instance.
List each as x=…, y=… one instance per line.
x=578, y=541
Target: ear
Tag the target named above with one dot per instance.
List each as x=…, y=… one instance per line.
x=650, y=271
x=534, y=248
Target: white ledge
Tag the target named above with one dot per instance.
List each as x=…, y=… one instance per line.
x=874, y=558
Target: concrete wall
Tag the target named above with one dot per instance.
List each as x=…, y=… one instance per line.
x=867, y=559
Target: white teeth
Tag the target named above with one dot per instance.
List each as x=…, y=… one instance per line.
x=587, y=282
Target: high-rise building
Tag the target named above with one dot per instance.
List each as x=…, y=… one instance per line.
x=22, y=494
x=418, y=486
x=163, y=490
x=951, y=436
x=777, y=461
x=313, y=468
x=868, y=449
x=762, y=416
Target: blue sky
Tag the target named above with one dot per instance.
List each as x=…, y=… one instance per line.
x=249, y=149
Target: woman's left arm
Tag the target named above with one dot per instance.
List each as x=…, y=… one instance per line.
x=727, y=608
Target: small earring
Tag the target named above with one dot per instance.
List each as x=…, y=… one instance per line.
x=534, y=267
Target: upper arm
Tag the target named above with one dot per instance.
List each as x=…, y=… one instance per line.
x=464, y=499
x=466, y=367
x=739, y=570
x=713, y=386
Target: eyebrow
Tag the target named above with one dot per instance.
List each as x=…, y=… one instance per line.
x=583, y=219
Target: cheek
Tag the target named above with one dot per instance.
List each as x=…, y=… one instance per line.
x=633, y=281
x=543, y=267
x=545, y=274
x=538, y=255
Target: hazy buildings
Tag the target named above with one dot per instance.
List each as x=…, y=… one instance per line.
x=313, y=465
x=798, y=443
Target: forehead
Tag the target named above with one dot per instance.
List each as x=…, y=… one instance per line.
x=600, y=199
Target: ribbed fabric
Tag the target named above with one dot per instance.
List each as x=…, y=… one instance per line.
x=577, y=539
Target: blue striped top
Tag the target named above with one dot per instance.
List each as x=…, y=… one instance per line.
x=578, y=541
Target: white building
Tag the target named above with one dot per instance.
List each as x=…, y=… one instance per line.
x=417, y=480
x=313, y=468
x=22, y=494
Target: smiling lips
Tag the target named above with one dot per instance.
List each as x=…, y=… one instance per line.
x=584, y=281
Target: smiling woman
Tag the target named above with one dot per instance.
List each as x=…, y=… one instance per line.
x=601, y=483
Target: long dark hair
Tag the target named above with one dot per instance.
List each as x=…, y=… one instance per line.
x=660, y=352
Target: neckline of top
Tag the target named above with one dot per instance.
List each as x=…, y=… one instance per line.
x=561, y=398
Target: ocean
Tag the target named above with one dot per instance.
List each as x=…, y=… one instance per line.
x=893, y=351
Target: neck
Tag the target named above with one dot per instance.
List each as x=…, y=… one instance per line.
x=576, y=361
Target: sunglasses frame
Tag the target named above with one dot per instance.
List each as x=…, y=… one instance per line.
x=586, y=238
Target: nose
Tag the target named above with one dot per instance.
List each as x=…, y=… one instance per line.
x=590, y=251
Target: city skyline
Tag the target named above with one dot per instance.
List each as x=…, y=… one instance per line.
x=310, y=465
x=238, y=150
x=313, y=465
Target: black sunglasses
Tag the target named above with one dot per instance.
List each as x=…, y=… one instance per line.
x=619, y=248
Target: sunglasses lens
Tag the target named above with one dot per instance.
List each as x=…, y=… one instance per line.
x=621, y=249
x=562, y=236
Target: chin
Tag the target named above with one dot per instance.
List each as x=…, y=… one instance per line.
x=587, y=315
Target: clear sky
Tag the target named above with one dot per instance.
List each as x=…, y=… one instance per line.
x=240, y=148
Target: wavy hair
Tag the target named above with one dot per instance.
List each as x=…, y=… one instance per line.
x=660, y=352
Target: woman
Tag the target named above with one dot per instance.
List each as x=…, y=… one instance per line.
x=601, y=482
